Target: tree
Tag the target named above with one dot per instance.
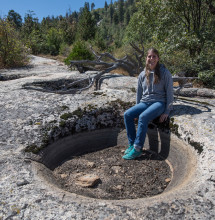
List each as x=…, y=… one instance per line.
x=12, y=51
x=68, y=28
x=106, y=6
x=96, y=16
x=92, y=6
x=86, y=25
x=87, y=6
x=30, y=23
x=127, y=17
x=211, y=6
x=173, y=24
x=143, y=25
x=15, y=18
x=191, y=18
x=121, y=11
x=38, y=43
x=115, y=18
x=130, y=2
x=111, y=11
x=54, y=40
x=74, y=16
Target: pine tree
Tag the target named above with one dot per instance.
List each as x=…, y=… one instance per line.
x=92, y=6
x=15, y=18
x=86, y=25
x=115, y=18
x=106, y=6
x=121, y=11
x=111, y=11
x=127, y=17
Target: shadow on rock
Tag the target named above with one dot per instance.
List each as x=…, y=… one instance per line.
x=190, y=110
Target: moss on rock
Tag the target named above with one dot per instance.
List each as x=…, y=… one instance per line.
x=174, y=127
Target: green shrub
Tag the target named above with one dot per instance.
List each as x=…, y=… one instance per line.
x=79, y=52
x=207, y=78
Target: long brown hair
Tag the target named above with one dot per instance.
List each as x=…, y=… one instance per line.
x=157, y=68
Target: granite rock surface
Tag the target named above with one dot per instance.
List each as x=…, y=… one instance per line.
x=29, y=117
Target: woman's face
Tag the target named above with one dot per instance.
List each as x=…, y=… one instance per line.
x=152, y=60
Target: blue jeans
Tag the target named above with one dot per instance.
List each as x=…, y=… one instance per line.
x=146, y=111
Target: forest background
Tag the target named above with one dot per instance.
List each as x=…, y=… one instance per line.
x=182, y=30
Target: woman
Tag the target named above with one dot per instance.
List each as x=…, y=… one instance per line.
x=154, y=98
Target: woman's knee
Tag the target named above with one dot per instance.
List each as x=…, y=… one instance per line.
x=128, y=114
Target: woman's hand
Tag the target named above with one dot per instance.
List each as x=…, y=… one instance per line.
x=163, y=118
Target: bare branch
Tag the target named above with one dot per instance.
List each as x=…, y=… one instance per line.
x=137, y=49
x=132, y=61
x=127, y=63
x=92, y=62
x=91, y=82
x=100, y=55
x=95, y=54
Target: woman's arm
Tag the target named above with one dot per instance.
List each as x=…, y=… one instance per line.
x=169, y=92
x=163, y=118
x=139, y=88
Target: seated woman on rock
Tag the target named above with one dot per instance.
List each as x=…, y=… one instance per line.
x=154, y=99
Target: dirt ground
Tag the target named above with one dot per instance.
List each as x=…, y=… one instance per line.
x=119, y=179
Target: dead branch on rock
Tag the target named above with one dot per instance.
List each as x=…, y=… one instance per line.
x=91, y=82
x=133, y=66
x=126, y=63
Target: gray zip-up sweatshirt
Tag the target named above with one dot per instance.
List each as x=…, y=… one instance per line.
x=162, y=91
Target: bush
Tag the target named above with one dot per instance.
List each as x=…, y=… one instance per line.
x=180, y=61
x=79, y=52
x=207, y=78
x=12, y=51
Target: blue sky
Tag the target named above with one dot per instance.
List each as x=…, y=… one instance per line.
x=44, y=8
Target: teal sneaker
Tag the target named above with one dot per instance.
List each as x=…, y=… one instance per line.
x=132, y=154
x=130, y=147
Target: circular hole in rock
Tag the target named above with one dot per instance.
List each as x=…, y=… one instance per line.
x=90, y=164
